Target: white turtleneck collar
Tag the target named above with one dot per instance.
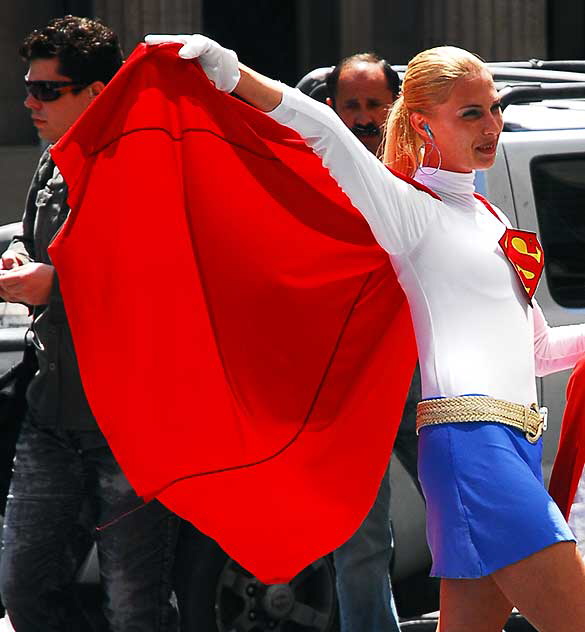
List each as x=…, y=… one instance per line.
x=453, y=188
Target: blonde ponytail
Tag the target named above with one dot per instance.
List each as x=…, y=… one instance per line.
x=401, y=143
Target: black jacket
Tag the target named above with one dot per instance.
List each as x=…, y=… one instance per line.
x=55, y=395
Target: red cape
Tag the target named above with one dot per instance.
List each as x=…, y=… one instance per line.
x=570, y=459
x=242, y=339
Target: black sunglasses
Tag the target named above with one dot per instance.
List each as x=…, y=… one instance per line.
x=50, y=90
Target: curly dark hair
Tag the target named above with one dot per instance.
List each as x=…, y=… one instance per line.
x=371, y=58
x=87, y=50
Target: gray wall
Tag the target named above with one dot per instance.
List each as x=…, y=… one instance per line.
x=318, y=34
x=131, y=19
x=17, y=19
x=566, y=29
x=497, y=30
x=19, y=151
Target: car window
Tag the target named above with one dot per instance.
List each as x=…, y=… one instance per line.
x=559, y=193
x=14, y=315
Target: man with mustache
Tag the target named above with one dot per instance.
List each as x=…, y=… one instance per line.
x=361, y=90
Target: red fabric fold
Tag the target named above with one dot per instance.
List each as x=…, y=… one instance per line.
x=570, y=458
x=242, y=340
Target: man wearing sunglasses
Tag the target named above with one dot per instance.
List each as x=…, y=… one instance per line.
x=64, y=467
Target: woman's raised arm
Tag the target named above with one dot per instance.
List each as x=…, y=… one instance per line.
x=397, y=213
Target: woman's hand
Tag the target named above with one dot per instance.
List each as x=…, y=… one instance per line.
x=219, y=64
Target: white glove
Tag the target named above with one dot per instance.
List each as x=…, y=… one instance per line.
x=220, y=64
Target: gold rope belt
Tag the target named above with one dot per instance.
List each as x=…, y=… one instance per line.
x=479, y=408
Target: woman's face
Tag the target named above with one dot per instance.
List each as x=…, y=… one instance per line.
x=467, y=126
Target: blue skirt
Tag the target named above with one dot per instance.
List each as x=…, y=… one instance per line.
x=486, y=503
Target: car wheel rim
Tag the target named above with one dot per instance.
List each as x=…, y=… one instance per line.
x=307, y=603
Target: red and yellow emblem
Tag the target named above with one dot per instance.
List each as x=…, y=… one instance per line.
x=524, y=252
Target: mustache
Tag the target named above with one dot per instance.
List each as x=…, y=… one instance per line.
x=366, y=130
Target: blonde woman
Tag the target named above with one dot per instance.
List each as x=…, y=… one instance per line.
x=496, y=537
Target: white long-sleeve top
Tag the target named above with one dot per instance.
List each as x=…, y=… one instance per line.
x=475, y=331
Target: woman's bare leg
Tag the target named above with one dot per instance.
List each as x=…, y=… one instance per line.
x=472, y=605
x=548, y=588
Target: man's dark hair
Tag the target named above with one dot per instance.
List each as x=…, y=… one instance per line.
x=87, y=50
x=392, y=78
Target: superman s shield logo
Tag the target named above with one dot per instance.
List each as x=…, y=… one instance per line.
x=524, y=252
